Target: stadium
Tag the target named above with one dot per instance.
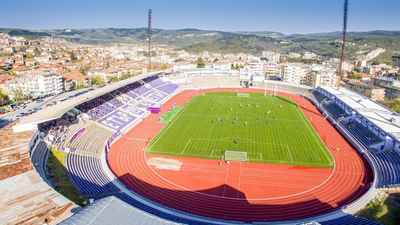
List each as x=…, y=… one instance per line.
x=154, y=149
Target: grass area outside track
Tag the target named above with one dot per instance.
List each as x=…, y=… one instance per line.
x=385, y=211
x=58, y=176
x=276, y=132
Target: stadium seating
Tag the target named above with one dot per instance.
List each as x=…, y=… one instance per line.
x=91, y=141
x=319, y=96
x=361, y=133
x=156, y=82
x=87, y=174
x=336, y=111
x=168, y=88
x=39, y=159
x=349, y=219
x=388, y=167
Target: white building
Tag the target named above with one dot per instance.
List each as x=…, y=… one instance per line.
x=257, y=65
x=322, y=76
x=335, y=63
x=271, y=69
x=272, y=57
x=294, y=73
x=222, y=65
x=38, y=83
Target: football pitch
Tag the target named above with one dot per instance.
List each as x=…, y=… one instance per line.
x=266, y=129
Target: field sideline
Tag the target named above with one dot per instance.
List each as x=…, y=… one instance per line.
x=276, y=132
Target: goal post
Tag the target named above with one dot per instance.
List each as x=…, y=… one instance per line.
x=236, y=156
x=245, y=95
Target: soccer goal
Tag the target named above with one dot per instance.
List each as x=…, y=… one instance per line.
x=236, y=156
x=245, y=95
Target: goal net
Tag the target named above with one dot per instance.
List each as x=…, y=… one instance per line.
x=236, y=156
x=246, y=95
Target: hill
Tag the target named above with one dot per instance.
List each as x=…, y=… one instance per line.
x=253, y=42
x=236, y=43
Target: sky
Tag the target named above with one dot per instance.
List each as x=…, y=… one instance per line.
x=285, y=16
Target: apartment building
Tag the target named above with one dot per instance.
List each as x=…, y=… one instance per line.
x=273, y=57
x=294, y=73
x=321, y=76
x=38, y=83
x=373, y=92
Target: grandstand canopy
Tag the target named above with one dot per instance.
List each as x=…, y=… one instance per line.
x=56, y=111
x=378, y=114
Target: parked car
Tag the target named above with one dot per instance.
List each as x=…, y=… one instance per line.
x=38, y=109
x=48, y=104
x=39, y=100
x=19, y=116
x=31, y=111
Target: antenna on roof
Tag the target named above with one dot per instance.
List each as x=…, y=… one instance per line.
x=149, y=35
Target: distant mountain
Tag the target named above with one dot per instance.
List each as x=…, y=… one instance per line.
x=262, y=33
x=194, y=40
x=25, y=33
x=236, y=43
x=381, y=33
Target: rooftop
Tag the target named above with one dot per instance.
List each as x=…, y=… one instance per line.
x=26, y=198
x=378, y=114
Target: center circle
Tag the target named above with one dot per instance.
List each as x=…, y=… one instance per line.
x=242, y=117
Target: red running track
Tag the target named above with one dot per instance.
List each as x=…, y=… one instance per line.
x=242, y=191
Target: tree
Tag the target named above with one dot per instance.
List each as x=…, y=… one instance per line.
x=72, y=56
x=17, y=93
x=125, y=76
x=81, y=70
x=357, y=69
x=215, y=60
x=107, y=65
x=200, y=63
x=112, y=79
x=163, y=67
x=3, y=98
x=97, y=80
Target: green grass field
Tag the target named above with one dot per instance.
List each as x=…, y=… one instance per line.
x=282, y=136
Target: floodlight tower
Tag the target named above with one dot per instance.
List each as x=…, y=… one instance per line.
x=345, y=7
x=148, y=36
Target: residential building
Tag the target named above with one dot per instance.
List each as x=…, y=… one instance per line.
x=75, y=80
x=373, y=92
x=273, y=57
x=43, y=58
x=391, y=92
x=321, y=76
x=246, y=76
x=309, y=55
x=271, y=69
x=257, y=65
x=222, y=65
x=294, y=73
x=36, y=84
x=382, y=81
x=294, y=55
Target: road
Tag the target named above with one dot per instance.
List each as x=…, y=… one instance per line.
x=7, y=118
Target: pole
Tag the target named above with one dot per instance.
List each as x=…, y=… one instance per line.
x=265, y=88
x=149, y=36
